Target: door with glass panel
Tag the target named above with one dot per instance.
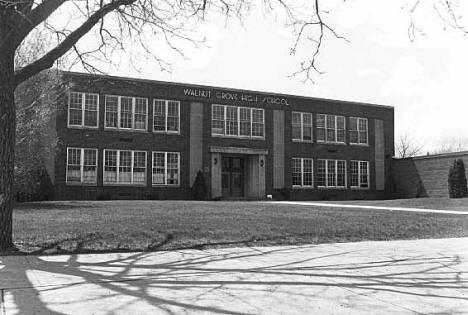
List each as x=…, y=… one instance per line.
x=232, y=177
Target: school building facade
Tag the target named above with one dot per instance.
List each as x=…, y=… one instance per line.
x=124, y=138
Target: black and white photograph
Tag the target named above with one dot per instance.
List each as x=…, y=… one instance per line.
x=233, y=157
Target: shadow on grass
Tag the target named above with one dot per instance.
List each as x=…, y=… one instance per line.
x=173, y=282
x=52, y=205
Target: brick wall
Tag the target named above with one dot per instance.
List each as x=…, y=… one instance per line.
x=148, y=141
x=425, y=176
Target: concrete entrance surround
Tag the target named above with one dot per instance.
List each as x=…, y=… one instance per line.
x=254, y=168
x=398, y=277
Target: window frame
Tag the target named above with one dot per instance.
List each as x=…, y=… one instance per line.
x=302, y=186
x=81, y=183
x=166, y=110
x=359, y=174
x=358, y=131
x=117, y=182
x=336, y=174
x=303, y=126
x=83, y=110
x=119, y=112
x=238, y=111
x=335, y=128
x=166, y=153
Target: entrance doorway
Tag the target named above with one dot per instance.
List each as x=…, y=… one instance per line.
x=232, y=176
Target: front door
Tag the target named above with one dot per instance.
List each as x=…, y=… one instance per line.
x=232, y=174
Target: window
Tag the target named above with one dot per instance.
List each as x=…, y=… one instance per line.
x=302, y=127
x=166, y=116
x=359, y=174
x=123, y=112
x=331, y=173
x=83, y=110
x=358, y=130
x=81, y=166
x=330, y=128
x=166, y=167
x=124, y=167
x=234, y=121
x=302, y=172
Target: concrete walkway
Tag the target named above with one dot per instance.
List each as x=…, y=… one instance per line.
x=398, y=277
x=367, y=207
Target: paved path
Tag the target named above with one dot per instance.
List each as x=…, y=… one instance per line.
x=368, y=207
x=398, y=277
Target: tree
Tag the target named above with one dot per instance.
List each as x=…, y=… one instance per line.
x=115, y=22
x=407, y=146
x=457, y=180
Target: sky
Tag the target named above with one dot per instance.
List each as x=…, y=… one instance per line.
x=424, y=79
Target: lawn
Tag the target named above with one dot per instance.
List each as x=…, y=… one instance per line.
x=99, y=226
x=460, y=204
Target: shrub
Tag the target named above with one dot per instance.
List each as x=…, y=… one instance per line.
x=457, y=180
x=199, y=190
x=33, y=185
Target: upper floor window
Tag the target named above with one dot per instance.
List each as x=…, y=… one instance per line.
x=359, y=174
x=302, y=126
x=83, y=110
x=331, y=173
x=166, y=166
x=330, y=128
x=123, y=112
x=302, y=171
x=237, y=121
x=81, y=166
x=124, y=167
x=358, y=130
x=166, y=116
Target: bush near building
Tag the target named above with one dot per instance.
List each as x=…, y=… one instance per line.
x=457, y=180
x=199, y=190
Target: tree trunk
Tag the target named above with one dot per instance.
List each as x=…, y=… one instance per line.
x=7, y=148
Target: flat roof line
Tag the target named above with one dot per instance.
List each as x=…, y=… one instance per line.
x=227, y=88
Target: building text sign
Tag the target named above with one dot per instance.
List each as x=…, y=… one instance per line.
x=235, y=96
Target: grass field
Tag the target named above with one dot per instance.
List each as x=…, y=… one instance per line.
x=100, y=226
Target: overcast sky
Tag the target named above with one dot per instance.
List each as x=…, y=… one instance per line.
x=425, y=79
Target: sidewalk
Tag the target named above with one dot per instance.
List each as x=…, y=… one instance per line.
x=397, y=277
x=366, y=207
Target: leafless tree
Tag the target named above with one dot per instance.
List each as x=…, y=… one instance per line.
x=452, y=144
x=117, y=25
x=406, y=146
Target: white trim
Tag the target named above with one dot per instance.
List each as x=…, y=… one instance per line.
x=302, y=173
x=117, y=182
x=119, y=111
x=165, y=184
x=359, y=132
x=302, y=126
x=335, y=128
x=81, y=183
x=166, y=110
x=359, y=175
x=336, y=174
x=83, y=102
x=238, y=135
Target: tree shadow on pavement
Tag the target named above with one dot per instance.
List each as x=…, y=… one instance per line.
x=189, y=281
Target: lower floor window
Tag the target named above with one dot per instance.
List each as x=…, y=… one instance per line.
x=166, y=166
x=81, y=165
x=124, y=167
x=302, y=174
x=359, y=174
x=331, y=173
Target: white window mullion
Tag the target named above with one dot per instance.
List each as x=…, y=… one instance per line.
x=81, y=164
x=165, y=168
x=133, y=112
x=238, y=121
x=326, y=171
x=166, y=106
x=251, y=122
x=225, y=119
x=131, y=168
x=336, y=173
x=302, y=172
x=118, y=167
x=118, y=111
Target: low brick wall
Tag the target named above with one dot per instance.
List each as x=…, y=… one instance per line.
x=424, y=176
